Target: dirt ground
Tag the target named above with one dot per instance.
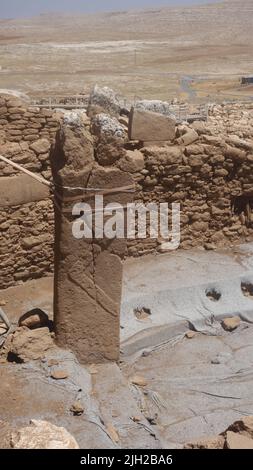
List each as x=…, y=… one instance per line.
x=195, y=53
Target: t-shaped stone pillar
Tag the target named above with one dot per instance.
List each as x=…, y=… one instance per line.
x=88, y=272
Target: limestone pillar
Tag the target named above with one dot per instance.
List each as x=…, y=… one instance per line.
x=88, y=272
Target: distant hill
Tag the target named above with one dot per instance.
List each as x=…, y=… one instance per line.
x=158, y=52
x=229, y=21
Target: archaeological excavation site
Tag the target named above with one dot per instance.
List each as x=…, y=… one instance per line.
x=126, y=342
x=126, y=230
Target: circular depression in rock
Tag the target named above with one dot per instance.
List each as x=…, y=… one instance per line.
x=213, y=294
x=247, y=289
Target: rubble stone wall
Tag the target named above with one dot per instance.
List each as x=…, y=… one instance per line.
x=207, y=167
x=26, y=210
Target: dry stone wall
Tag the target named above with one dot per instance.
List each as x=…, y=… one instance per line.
x=26, y=211
x=207, y=167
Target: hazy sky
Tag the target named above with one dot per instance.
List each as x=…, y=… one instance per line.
x=22, y=8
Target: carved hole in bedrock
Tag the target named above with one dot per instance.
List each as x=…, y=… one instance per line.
x=247, y=289
x=213, y=294
x=142, y=313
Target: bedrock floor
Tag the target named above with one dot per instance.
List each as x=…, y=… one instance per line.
x=185, y=388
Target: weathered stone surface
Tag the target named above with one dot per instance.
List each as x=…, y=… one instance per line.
x=9, y=149
x=146, y=126
x=104, y=125
x=34, y=319
x=210, y=246
x=155, y=106
x=88, y=271
x=195, y=161
x=3, y=110
x=191, y=334
x=216, y=442
x=59, y=374
x=14, y=102
x=43, y=435
x=163, y=156
x=109, y=150
x=40, y=146
x=74, y=118
x=189, y=138
x=230, y=324
x=235, y=154
x=34, y=241
x=132, y=162
x=238, y=441
x=241, y=143
x=158, y=143
x=238, y=436
x=243, y=426
x=217, y=167
x=104, y=100
x=77, y=408
x=21, y=195
x=22, y=189
x=28, y=345
x=139, y=381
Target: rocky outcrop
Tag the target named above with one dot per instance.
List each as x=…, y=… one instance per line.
x=238, y=436
x=43, y=435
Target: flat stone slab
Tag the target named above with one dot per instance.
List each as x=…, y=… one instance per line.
x=149, y=126
x=22, y=189
x=190, y=394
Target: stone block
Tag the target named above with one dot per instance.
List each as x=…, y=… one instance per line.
x=22, y=189
x=149, y=126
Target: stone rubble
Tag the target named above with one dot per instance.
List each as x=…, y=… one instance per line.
x=34, y=319
x=238, y=436
x=77, y=408
x=43, y=435
x=105, y=100
x=59, y=374
x=230, y=324
x=104, y=125
x=155, y=106
x=25, y=345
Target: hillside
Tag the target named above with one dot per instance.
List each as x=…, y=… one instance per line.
x=129, y=50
